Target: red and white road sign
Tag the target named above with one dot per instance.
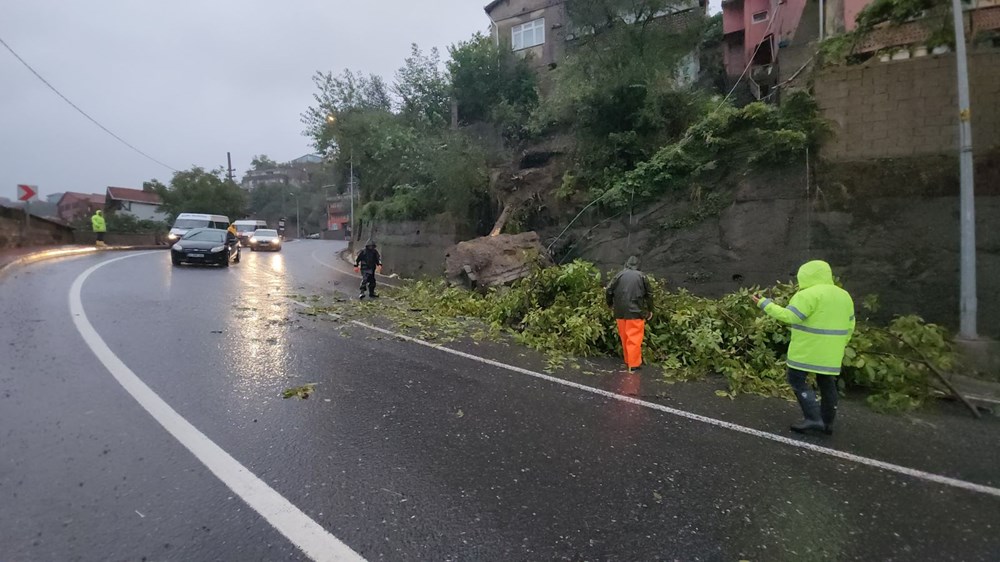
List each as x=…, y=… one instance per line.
x=27, y=192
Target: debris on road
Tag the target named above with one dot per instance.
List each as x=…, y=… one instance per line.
x=491, y=261
x=302, y=392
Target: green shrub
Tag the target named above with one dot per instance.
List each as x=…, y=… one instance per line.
x=562, y=311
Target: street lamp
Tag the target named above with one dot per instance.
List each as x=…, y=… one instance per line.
x=298, y=227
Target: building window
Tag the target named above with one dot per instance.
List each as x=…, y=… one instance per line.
x=528, y=34
x=760, y=17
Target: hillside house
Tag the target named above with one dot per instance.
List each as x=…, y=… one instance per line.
x=767, y=41
x=72, y=205
x=143, y=205
x=542, y=31
x=297, y=172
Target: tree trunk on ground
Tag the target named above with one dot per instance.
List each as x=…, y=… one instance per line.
x=508, y=209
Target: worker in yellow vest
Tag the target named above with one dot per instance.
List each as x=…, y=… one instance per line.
x=99, y=227
x=821, y=317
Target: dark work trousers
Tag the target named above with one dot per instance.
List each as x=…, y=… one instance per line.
x=807, y=398
x=368, y=280
x=100, y=236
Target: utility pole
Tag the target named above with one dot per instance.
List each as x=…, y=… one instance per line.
x=822, y=20
x=968, y=305
x=229, y=168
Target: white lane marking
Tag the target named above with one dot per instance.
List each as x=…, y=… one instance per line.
x=866, y=461
x=351, y=273
x=310, y=537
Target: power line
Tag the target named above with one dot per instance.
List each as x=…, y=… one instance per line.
x=82, y=112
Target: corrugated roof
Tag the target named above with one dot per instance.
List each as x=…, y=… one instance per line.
x=136, y=195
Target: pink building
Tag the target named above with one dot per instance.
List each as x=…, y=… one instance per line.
x=767, y=41
x=755, y=31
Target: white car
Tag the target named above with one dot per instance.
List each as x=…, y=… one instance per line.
x=191, y=221
x=246, y=227
x=265, y=239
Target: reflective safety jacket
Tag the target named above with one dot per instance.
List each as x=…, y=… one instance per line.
x=97, y=223
x=821, y=316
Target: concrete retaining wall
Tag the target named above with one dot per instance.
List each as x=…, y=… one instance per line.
x=413, y=249
x=120, y=238
x=908, y=107
x=15, y=233
x=883, y=235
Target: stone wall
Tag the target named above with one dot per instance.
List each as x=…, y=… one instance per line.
x=413, y=249
x=88, y=238
x=41, y=232
x=882, y=234
x=907, y=107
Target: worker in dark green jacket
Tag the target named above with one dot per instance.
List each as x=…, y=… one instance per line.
x=821, y=317
x=631, y=299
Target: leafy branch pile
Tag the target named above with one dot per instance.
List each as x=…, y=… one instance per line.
x=561, y=311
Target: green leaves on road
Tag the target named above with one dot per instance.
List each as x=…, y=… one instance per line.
x=302, y=392
x=561, y=311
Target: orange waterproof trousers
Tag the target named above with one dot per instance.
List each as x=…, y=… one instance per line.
x=631, y=332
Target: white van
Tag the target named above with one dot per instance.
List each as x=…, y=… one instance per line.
x=189, y=221
x=246, y=227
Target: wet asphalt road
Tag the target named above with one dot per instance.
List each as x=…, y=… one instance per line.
x=404, y=452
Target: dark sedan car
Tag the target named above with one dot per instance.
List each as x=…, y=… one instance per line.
x=206, y=246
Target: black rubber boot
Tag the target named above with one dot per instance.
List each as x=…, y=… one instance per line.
x=812, y=421
x=806, y=426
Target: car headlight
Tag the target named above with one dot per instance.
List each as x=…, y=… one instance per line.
x=253, y=240
x=218, y=249
x=172, y=236
x=178, y=246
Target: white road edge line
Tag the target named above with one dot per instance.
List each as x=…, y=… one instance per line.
x=850, y=457
x=351, y=273
x=307, y=535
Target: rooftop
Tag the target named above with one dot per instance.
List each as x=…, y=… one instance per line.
x=134, y=195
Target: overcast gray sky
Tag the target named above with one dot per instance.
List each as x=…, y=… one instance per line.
x=187, y=80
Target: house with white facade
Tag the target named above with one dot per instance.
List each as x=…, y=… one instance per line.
x=143, y=205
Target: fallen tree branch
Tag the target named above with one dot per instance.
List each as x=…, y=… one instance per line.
x=940, y=375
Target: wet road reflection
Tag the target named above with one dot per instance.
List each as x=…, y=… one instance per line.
x=260, y=325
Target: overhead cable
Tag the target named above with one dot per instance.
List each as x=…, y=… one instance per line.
x=82, y=112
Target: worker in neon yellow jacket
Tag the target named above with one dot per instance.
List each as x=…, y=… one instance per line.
x=821, y=317
x=99, y=226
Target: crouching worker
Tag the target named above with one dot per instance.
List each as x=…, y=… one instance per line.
x=368, y=262
x=821, y=317
x=629, y=296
